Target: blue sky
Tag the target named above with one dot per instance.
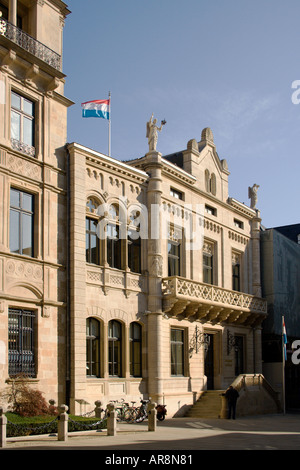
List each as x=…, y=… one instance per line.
x=224, y=64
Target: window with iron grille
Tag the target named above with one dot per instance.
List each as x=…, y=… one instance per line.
x=21, y=356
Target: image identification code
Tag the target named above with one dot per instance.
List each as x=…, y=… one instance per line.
x=154, y=459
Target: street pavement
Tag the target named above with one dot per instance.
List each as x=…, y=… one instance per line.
x=265, y=432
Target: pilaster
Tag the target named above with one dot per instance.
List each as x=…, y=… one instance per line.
x=77, y=277
x=155, y=263
x=255, y=240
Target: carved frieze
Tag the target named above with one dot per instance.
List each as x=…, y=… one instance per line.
x=23, y=167
x=23, y=270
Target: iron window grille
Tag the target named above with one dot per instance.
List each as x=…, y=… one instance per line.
x=21, y=356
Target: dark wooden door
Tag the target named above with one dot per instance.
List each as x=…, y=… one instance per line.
x=209, y=363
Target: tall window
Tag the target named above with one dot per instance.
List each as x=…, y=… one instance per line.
x=114, y=243
x=174, y=252
x=115, y=348
x=21, y=222
x=135, y=338
x=22, y=123
x=235, y=272
x=177, y=351
x=208, y=263
x=92, y=347
x=21, y=334
x=134, y=251
x=92, y=245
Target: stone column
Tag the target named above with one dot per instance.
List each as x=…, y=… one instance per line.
x=3, y=423
x=98, y=409
x=152, y=414
x=111, y=420
x=62, y=428
x=155, y=266
x=12, y=15
x=255, y=240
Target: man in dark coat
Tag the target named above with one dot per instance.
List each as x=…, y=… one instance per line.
x=232, y=395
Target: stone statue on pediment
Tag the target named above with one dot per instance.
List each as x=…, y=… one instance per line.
x=252, y=194
x=152, y=132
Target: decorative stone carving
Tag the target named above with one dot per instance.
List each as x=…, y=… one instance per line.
x=156, y=266
x=152, y=132
x=24, y=168
x=211, y=302
x=252, y=194
x=207, y=135
x=20, y=269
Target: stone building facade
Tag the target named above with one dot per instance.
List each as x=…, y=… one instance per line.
x=168, y=288
x=33, y=210
x=117, y=279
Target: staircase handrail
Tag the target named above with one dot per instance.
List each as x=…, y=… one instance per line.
x=243, y=380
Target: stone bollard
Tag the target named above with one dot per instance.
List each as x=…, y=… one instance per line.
x=224, y=409
x=3, y=422
x=62, y=427
x=111, y=420
x=152, y=414
x=98, y=410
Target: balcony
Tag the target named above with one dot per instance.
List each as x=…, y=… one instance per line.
x=186, y=299
x=29, y=44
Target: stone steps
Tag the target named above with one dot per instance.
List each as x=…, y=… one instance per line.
x=208, y=406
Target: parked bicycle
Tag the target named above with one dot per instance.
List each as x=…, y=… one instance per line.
x=142, y=411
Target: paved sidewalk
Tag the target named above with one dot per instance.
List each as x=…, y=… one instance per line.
x=268, y=432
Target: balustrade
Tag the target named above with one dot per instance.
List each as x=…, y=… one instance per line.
x=211, y=303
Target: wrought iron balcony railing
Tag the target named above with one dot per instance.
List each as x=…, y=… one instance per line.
x=29, y=44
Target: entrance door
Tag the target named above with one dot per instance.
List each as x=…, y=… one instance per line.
x=239, y=355
x=209, y=363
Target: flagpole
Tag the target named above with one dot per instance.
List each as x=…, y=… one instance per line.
x=109, y=124
x=283, y=365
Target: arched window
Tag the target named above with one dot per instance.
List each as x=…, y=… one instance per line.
x=115, y=348
x=210, y=182
x=207, y=180
x=92, y=347
x=213, y=184
x=135, y=345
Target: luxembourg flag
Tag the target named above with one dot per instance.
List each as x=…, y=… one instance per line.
x=96, y=108
x=284, y=336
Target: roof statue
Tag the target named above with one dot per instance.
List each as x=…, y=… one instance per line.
x=152, y=132
x=252, y=194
